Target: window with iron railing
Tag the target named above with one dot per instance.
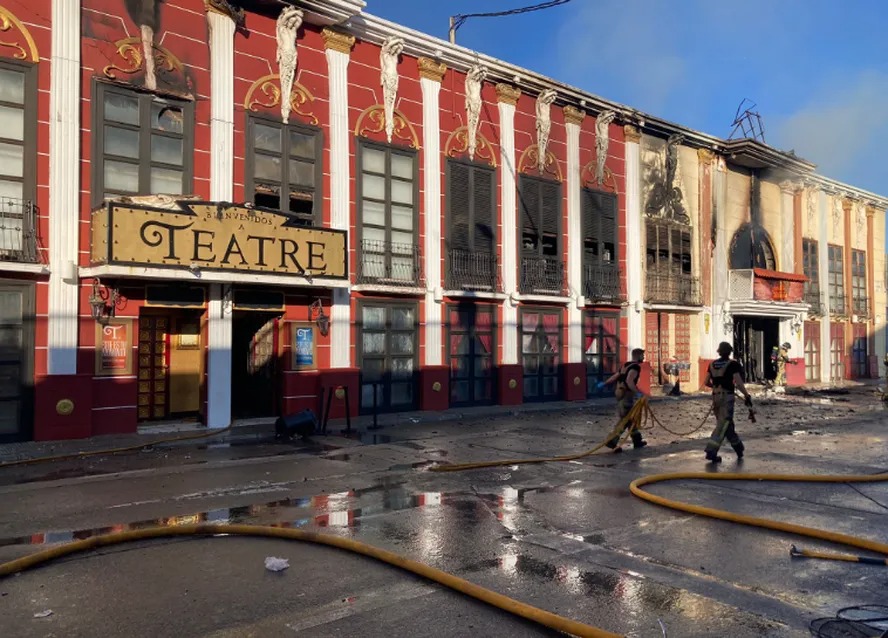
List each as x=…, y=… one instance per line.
x=811, y=266
x=471, y=238
x=18, y=157
x=601, y=277
x=284, y=168
x=387, y=196
x=836, y=279
x=859, y=297
x=669, y=277
x=143, y=143
x=542, y=265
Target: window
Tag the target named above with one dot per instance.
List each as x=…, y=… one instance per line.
x=836, y=280
x=541, y=354
x=669, y=266
x=143, y=143
x=600, y=349
x=18, y=157
x=388, y=356
x=471, y=236
x=284, y=168
x=812, y=351
x=542, y=268
x=599, y=228
x=859, y=352
x=751, y=248
x=388, y=211
x=471, y=335
x=858, y=282
x=837, y=351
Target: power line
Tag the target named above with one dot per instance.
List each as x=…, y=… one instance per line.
x=457, y=21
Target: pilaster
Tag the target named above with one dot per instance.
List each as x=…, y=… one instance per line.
x=824, y=216
x=431, y=74
x=573, y=118
x=722, y=319
x=507, y=99
x=219, y=356
x=871, y=281
x=634, y=228
x=338, y=49
x=64, y=185
x=787, y=227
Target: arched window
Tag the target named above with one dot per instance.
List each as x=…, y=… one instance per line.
x=751, y=248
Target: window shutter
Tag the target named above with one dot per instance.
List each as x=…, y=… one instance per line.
x=551, y=207
x=460, y=206
x=482, y=200
x=608, y=208
x=590, y=224
x=529, y=195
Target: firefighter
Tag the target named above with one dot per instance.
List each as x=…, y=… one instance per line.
x=627, y=393
x=724, y=375
x=782, y=359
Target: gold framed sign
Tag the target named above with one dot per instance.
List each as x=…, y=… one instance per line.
x=303, y=345
x=114, y=348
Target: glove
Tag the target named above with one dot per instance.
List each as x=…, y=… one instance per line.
x=600, y=385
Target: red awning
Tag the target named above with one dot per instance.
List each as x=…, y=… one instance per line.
x=774, y=274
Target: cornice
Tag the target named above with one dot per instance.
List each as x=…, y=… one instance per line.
x=338, y=41
x=431, y=69
x=507, y=93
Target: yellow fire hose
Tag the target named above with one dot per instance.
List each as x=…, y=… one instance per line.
x=638, y=417
x=534, y=614
x=116, y=450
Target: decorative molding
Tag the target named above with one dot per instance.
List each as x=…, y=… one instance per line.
x=474, y=79
x=130, y=49
x=458, y=144
x=288, y=24
x=836, y=215
x=507, y=94
x=226, y=8
x=337, y=41
x=401, y=126
x=705, y=155
x=268, y=86
x=530, y=162
x=666, y=200
x=573, y=115
x=28, y=51
x=631, y=134
x=602, y=141
x=861, y=219
x=589, y=178
x=430, y=69
x=811, y=206
x=388, y=64
x=544, y=126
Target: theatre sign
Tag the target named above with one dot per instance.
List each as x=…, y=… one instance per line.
x=215, y=235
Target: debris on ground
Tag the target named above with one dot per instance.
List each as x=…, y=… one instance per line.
x=274, y=564
x=46, y=613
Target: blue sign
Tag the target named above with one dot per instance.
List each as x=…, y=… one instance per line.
x=305, y=351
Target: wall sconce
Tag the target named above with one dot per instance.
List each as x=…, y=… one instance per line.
x=103, y=302
x=728, y=323
x=322, y=319
x=795, y=324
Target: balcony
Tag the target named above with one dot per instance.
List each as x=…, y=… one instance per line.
x=758, y=284
x=542, y=276
x=602, y=283
x=672, y=288
x=385, y=263
x=812, y=298
x=472, y=271
x=18, y=231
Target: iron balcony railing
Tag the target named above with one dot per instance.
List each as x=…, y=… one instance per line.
x=18, y=230
x=837, y=302
x=677, y=289
x=812, y=298
x=542, y=276
x=469, y=270
x=389, y=264
x=860, y=307
x=602, y=283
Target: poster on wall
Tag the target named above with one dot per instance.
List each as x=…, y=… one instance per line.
x=304, y=346
x=114, y=348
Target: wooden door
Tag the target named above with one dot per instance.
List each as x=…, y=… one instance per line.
x=153, y=367
x=185, y=364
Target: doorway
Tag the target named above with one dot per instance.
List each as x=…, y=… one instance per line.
x=255, y=365
x=753, y=339
x=16, y=362
x=541, y=354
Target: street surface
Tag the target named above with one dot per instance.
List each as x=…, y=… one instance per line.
x=566, y=537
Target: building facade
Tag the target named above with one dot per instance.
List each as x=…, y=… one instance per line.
x=222, y=211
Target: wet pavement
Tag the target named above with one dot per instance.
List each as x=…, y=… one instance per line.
x=567, y=537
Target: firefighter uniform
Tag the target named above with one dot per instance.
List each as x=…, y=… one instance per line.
x=626, y=398
x=722, y=371
x=782, y=359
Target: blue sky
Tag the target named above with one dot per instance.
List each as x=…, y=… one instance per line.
x=817, y=69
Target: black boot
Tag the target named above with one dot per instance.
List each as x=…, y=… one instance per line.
x=739, y=449
x=713, y=457
x=637, y=441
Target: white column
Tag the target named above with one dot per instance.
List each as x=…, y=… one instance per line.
x=219, y=358
x=338, y=47
x=509, y=221
x=634, y=234
x=574, y=241
x=787, y=230
x=720, y=259
x=823, y=218
x=219, y=388
x=64, y=185
x=431, y=156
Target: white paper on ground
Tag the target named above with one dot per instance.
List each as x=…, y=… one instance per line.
x=274, y=564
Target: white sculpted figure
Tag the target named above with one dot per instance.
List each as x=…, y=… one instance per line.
x=543, y=125
x=388, y=63
x=602, y=139
x=474, y=78
x=288, y=24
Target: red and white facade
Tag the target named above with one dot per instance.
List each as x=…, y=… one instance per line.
x=512, y=272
